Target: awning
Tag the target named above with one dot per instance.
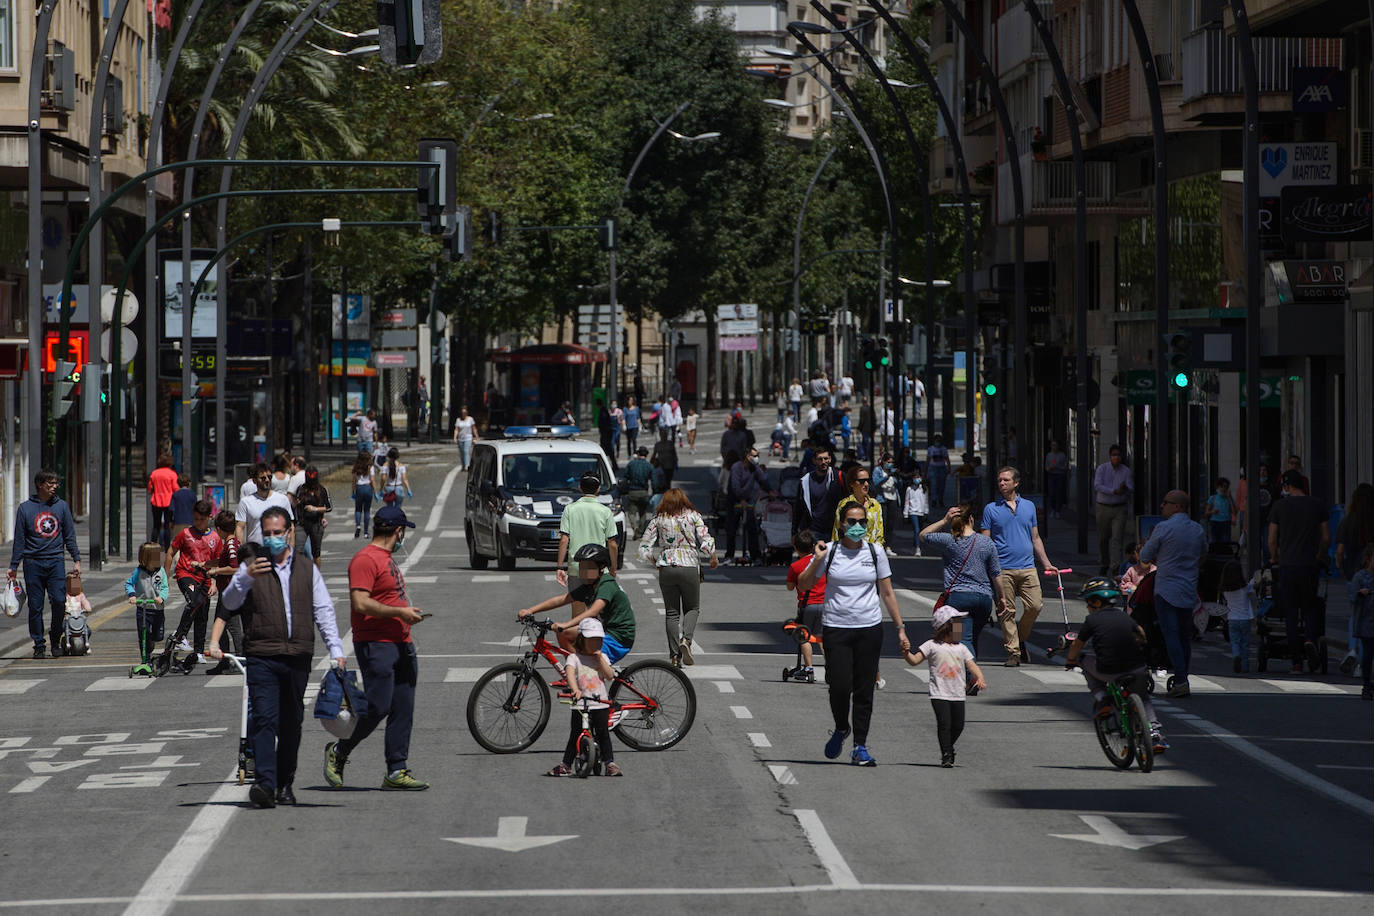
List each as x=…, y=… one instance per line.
x=548, y=355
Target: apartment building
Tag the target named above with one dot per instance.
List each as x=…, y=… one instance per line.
x=1313, y=63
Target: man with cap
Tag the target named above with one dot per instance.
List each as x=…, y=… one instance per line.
x=277, y=602
x=381, y=619
x=585, y=521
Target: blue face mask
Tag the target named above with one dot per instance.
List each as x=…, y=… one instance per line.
x=855, y=532
x=275, y=544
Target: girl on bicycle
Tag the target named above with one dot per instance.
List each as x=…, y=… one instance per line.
x=588, y=671
x=951, y=665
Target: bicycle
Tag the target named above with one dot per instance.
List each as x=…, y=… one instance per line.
x=1123, y=730
x=587, y=760
x=653, y=704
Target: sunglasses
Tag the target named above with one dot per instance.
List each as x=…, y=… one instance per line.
x=862, y=480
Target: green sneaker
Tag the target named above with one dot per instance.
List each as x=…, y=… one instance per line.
x=402, y=780
x=333, y=765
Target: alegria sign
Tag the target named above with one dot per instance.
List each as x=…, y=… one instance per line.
x=1335, y=214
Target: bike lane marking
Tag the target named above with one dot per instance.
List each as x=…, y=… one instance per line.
x=841, y=875
x=10, y=688
x=441, y=499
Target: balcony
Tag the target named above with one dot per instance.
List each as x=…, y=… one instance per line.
x=1050, y=191
x=1211, y=62
x=1018, y=40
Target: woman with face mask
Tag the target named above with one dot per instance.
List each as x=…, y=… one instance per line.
x=858, y=585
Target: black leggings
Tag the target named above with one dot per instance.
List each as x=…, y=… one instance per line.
x=600, y=721
x=949, y=722
x=851, y=670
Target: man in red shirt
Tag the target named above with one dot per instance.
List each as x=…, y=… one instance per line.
x=809, y=604
x=162, y=483
x=381, y=620
x=193, y=552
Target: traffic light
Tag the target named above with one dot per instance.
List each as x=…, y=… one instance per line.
x=458, y=240
x=607, y=234
x=437, y=188
x=884, y=358
x=1179, y=359
x=870, y=355
x=64, y=380
x=989, y=389
x=409, y=31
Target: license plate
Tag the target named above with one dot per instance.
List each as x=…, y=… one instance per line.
x=553, y=535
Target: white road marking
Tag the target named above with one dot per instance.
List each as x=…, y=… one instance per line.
x=162, y=762
x=724, y=686
x=782, y=774
x=510, y=837
x=712, y=672
x=1337, y=766
x=416, y=556
x=13, y=687
x=1203, y=685
x=463, y=675
x=741, y=712
x=922, y=674
x=1107, y=833
x=120, y=683
x=159, y=893
x=28, y=785
x=913, y=595
x=840, y=873
x=451, y=534
x=513, y=641
x=759, y=739
x=442, y=498
x=1055, y=678
x=1302, y=686
x=494, y=577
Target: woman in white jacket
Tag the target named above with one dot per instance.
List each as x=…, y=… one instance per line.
x=917, y=507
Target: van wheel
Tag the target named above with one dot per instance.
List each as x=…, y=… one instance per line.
x=504, y=559
x=475, y=559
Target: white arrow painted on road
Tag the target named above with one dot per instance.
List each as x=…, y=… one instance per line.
x=513, y=641
x=1109, y=834
x=510, y=837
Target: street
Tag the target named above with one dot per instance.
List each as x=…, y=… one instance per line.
x=121, y=798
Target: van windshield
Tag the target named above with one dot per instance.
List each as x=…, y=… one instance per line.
x=527, y=473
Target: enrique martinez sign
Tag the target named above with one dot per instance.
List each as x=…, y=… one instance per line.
x=1336, y=214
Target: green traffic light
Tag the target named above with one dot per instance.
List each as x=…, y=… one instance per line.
x=886, y=362
x=1180, y=380
x=989, y=389
x=868, y=365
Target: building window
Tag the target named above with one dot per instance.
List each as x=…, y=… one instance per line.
x=7, y=36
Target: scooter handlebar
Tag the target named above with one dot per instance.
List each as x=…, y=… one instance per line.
x=1058, y=571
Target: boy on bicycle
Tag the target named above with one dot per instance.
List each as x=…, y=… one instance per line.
x=602, y=597
x=1117, y=652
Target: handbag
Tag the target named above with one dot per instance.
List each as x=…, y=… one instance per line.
x=944, y=595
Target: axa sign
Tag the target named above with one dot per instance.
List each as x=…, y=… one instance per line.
x=1333, y=214
x=1317, y=89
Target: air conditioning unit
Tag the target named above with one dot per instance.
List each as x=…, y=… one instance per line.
x=1363, y=155
x=59, y=79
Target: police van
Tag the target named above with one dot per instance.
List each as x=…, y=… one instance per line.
x=518, y=487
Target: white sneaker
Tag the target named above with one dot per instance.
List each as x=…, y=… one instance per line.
x=882, y=682
x=890, y=552
x=184, y=646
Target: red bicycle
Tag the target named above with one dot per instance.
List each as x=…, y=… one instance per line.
x=653, y=704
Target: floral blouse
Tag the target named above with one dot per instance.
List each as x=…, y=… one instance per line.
x=676, y=540
x=875, y=534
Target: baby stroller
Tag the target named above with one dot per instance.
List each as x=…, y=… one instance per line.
x=1141, y=606
x=775, y=529
x=1221, y=571
x=1272, y=628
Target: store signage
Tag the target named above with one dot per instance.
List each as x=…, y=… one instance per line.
x=1317, y=281
x=1317, y=89
x=1283, y=165
x=728, y=312
x=1335, y=214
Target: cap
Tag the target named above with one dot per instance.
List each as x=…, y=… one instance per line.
x=590, y=626
x=945, y=613
x=642, y=450
x=391, y=517
x=312, y=473
x=1294, y=479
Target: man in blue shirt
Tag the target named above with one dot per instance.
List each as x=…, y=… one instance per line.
x=1176, y=547
x=1011, y=523
x=43, y=528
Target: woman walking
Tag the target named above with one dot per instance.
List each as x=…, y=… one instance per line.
x=362, y=495
x=464, y=434
x=972, y=574
x=860, y=483
x=395, y=485
x=630, y=418
x=676, y=539
x=858, y=584
x=312, y=502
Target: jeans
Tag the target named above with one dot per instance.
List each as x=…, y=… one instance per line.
x=389, y=677
x=465, y=453
x=194, y=617
x=600, y=722
x=162, y=526
x=362, y=506
x=851, y=671
x=45, y=575
x=786, y=446
x=233, y=629
x=681, y=587
x=1023, y=584
x=938, y=475
x=615, y=442
x=276, y=693
x=867, y=445
x=1057, y=482
x=979, y=609
x=796, y=411
x=365, y=445
x=1297, y=596
x=1176, y=623
x=949, y=722
x=631, y=440
x=1239, y=631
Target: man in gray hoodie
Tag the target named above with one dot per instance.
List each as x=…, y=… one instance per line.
x=43, y=527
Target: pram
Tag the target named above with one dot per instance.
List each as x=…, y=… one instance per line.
x=1272, y=629
x=1141, y=606
x=775, y=529
x=1221, y=571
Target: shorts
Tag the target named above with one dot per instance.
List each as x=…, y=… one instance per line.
x=612, y=649
x=811, y=619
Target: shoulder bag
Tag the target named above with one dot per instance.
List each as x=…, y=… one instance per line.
x=944, y=595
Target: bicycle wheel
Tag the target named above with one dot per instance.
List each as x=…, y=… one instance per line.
x=1140, y=733
x=669, y=705
x=1116, y=745
x=585, y=763
x=508, y=708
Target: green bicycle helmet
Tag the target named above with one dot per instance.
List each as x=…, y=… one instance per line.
x=1102, y=588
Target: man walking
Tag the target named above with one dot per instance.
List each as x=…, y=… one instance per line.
x=937, y=466
x=43, y=528
x=278, y=602
x=381, y=618
x=638, y=484
x=252, y=506
x=586, y=521
x=820, y=493
x=1176, y=546
x=1298, y=537
x=1011, y=523
x=1112, y=487
x=666, y=453
x=746, y=480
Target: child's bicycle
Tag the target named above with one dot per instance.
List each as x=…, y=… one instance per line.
x=1124, y=729
x=587, y=760
x=653, y=704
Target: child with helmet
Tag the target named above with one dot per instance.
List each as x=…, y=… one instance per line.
x=1118, y=652
x=602, y=597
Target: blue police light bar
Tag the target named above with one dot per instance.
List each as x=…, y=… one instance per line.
x=541, y=432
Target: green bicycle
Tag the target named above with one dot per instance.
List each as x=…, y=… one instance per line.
x=1123, y=730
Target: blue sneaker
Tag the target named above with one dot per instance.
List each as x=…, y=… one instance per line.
x=836, y=742
x=861, y=757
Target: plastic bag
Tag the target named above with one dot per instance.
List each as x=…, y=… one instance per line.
x=11, y=598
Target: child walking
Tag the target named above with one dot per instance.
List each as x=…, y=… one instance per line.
x=1240, y=610
x=587, y=671
x=148, y=582
x=916, y=507
x=951, y=664
x=809, y=603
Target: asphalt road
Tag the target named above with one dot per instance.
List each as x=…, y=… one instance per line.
x=118, y=798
